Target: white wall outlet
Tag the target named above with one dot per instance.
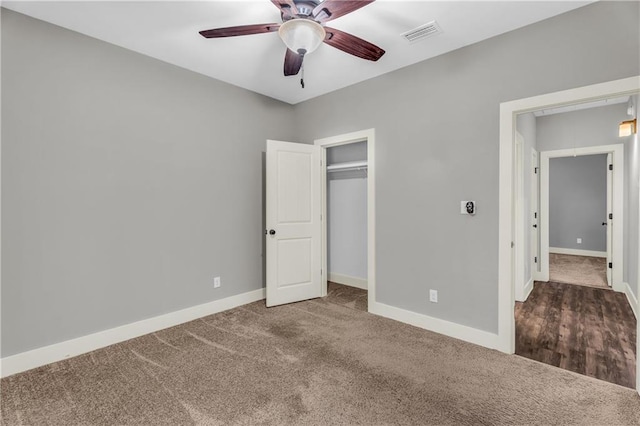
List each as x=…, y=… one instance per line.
x=433, y=296
x=468, y=207
x=579, y=240
x=216, y=282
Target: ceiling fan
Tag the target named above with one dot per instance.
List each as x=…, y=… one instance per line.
x=303, y=30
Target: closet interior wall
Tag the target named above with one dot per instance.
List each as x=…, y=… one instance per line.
x=347, y=215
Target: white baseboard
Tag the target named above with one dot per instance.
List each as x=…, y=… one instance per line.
x=457, y=331
x=348, y=280
x=528, y=288
x=41, y=356
x=522, y=294
x=633, y=301
x=577, y=252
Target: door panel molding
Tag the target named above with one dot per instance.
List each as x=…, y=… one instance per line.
x=293, y=202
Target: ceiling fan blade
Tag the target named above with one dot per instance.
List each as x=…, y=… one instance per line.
x=332, y=9
x=353, y=45
x=240, y=31
x=287, y=7
x=292, y=62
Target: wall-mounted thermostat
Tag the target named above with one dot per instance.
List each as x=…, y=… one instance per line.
x=467, y=207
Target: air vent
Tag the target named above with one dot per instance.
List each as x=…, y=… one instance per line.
x=423, y=31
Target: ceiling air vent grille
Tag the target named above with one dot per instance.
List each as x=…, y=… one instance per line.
x=423, y=31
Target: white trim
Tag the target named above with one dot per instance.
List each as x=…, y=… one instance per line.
x=519, y=218
x=508, y=113
x=74, y=347
x=359, y=136
x=618, y=206
x=534, y=216
x=437, y=325
x=577, y=252
x=348, y=280
x=633, y=301
x=528, y=288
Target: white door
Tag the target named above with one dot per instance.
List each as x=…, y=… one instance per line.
x=535, y=215
x=293, y=208
x=519, y=255
x=609, y=220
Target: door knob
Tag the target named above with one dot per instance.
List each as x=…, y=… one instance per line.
x=272, y=232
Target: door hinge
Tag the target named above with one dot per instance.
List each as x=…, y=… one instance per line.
x=610, y=265
x=535, y=259
x=535, y=215
x=610, y=166
x=535, y=170
x=610, y=215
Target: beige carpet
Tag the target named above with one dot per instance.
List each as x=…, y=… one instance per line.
x=310, y=363
x=582, y=270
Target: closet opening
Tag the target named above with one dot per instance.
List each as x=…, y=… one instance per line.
x=346, y=221
x=348, y=240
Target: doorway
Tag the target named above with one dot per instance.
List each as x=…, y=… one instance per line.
x=350, y=156
x=580, y=201
x=508, y=113
x=347, y=224
x=296, y=213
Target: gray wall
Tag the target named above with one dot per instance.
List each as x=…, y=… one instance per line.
x=578, y=202
x=127, y=185
x=347, y=213
x=437, y=139
x=582, y=128
x=632, y=217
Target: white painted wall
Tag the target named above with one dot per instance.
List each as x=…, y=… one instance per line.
x=347, y=225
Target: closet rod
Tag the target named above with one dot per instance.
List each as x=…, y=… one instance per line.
x=352, y=165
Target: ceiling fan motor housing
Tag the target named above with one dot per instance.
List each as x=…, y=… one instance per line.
x=305, y=9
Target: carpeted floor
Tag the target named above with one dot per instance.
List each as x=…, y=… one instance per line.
x=582, y=270
x=309, y=363
x=347, y=296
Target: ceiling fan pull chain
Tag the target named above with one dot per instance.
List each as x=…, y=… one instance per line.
x=302, y=76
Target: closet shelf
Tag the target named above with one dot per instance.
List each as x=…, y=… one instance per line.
x=352, y=165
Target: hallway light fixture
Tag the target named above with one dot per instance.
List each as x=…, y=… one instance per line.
x=627, y=128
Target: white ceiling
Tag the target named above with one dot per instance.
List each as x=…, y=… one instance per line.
x=168, y=30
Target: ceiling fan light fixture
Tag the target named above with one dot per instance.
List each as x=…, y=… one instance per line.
x=301, y=35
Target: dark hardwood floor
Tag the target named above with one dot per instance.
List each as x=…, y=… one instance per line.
x=590, y=331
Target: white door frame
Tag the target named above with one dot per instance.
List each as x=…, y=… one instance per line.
x=508, y=114
x=359, y=136
x=617, y=151
x=519, y=222
x=534, y=215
